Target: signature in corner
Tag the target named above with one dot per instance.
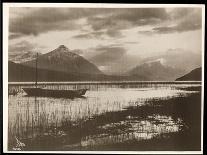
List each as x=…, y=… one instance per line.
x=19, y=145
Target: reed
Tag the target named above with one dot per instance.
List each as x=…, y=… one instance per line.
x=45, y=124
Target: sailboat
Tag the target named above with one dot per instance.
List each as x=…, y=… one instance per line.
x=42, y=92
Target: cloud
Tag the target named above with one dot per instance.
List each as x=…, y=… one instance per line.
x=90, y=35
x=114, y=33
x=183, y=27
x=101, y=22
x=37, y=20
x=123, y=18
x=190, y=22
x=21, y=46
x=99, y=35
x=113, y=59
x=15, y=35
x=183, y=20
x=41, y=21
x=24, y=46
x=107, y=54
x=77, y=51
x=131, y=42
x=147, y=33
x=32, y=21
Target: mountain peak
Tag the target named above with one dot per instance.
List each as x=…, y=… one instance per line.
x=63, y=47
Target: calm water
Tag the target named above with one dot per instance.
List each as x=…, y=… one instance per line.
x=33, y=117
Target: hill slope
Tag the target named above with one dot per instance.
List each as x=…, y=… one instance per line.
x=194, y=75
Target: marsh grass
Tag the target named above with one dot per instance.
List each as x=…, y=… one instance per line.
x=113, y=130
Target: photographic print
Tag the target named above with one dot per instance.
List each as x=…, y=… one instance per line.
x=103, y=77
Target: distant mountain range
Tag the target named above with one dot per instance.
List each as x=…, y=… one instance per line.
x=63, y=64
x=115, y=61
x=178, y=59
x=194, y=75
x=155, y=71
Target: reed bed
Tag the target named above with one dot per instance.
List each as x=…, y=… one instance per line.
x=93, y=123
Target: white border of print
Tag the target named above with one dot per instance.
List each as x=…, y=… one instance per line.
x=85, y=5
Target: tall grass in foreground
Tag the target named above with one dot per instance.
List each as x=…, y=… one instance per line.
x=87, y=125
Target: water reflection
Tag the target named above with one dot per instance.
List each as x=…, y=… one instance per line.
x=133, y=129
x=32, y=117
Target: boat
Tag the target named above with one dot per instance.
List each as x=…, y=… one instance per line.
x=43, y=92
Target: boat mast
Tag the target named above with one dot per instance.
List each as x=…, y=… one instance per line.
x=36, y=72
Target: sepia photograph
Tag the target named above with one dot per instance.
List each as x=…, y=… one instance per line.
x=103, y=78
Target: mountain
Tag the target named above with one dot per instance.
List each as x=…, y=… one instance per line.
x=155, y=71
x=194, y=75
x=63, y=60
x=22, y=57
x=116, y=61
x=21, y=73
x=178, y=58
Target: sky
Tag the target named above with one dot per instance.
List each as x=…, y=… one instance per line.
x=140, y=32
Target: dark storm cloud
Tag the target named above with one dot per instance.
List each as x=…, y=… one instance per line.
x=39, y=20
x=189, y=20
x=126, y=18
x=42, y=20
x=189, y=24
x=112, y=20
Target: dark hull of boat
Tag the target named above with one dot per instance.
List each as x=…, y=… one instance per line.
x=54, y=93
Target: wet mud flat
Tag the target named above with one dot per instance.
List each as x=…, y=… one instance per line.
x=161, y=124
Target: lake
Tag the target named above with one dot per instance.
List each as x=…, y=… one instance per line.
x=108, y=117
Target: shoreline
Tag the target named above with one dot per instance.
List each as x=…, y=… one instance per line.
x=187, y=108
